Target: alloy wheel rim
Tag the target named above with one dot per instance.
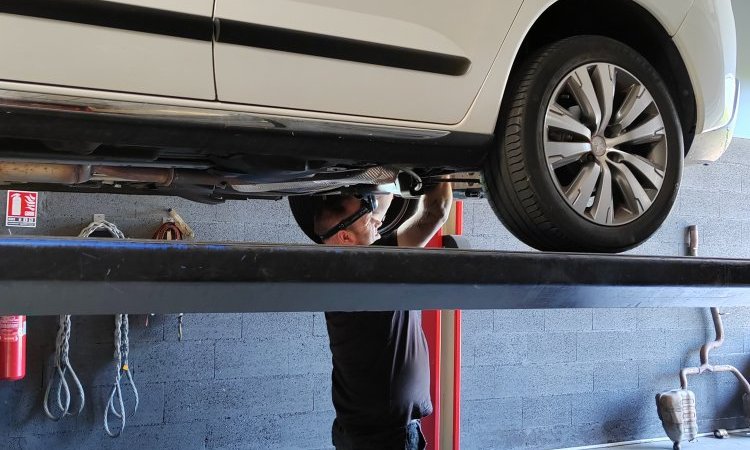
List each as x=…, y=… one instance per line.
x=605, y=144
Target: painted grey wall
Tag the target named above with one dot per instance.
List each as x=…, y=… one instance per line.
x=531, y=379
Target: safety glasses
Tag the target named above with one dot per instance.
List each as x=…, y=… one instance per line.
x=369, y=203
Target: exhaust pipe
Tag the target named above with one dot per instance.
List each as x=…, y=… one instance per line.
x=23, y=172
x=162, y=177
x=13, y=172
x=677, y=408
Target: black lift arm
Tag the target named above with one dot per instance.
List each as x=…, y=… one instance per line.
x=41, y=276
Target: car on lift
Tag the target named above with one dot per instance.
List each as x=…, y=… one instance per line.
x=579, y=114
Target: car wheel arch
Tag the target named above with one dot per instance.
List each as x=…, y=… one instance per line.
x=563, y=19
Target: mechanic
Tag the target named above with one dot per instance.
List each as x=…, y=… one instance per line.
x=381, y=373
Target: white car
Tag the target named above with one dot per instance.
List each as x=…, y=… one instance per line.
x=578, y=113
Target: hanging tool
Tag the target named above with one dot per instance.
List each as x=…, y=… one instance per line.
x=168, y=231
x=174, y=228
x=115, y=403
x=62, y=367
x=99, y=225
x=179, y=326
x=187, y=232
x=62, y=370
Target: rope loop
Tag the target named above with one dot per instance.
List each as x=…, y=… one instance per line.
x=59, y=376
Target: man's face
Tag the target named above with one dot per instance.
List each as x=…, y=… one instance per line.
x=365, y=230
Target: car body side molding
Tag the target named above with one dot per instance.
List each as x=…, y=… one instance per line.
x=115, y=15
x=203, y=28
x=334, y=47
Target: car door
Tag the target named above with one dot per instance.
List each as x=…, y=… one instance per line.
x=420, y=60
x=159, y=47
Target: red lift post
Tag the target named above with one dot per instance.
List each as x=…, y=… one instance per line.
x=444, y=390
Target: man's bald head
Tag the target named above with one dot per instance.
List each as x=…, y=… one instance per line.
x=336, y=208
x=332, y=210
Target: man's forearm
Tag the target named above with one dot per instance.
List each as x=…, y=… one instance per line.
x=432, y=214
x=438, y=201
x=436, y=206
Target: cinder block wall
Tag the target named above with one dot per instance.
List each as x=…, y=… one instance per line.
x=531, y=378
x=558, y=378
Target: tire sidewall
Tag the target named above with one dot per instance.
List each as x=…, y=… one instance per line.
x=575, y=53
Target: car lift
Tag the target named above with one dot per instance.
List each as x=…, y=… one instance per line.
x=51, y=276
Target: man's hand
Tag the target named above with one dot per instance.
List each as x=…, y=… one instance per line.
x=433, y=211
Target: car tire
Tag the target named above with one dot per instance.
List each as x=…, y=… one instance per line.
x=303, y=209
x=555, y=188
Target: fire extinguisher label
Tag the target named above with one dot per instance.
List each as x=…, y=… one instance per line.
x=12, y=328
x=21, y=209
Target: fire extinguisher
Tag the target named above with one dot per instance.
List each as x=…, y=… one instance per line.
x=12, y=348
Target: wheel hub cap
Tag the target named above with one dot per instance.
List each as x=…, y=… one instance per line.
x=598, y=146
x=605, y=144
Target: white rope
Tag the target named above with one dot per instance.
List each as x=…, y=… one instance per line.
x=62, y=366
x=61, y=370
x=103, y=225
x=115, y=402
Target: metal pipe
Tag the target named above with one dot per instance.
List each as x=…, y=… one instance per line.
x=22, y=172
x=192, y=177
x=692, y=240
x=719, y=341
x=716, y=343
x=162, y=177
x=32, y=172
x=709, y=368
x=684, y=372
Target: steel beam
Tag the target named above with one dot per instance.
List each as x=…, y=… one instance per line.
x=40, y=276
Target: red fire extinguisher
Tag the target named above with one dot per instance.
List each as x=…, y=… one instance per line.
x=12, y=348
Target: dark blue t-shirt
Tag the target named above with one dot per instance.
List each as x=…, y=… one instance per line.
x=381, y=370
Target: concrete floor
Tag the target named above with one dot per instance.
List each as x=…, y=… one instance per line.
x=733, y=442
